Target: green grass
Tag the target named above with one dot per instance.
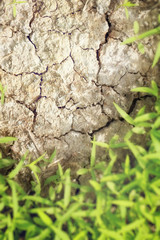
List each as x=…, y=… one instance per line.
x=112, y=205
x=14, y=3
x=138, y=37
x=127, y=4
x=2, y=90
x=123, y=205
x=146, y=34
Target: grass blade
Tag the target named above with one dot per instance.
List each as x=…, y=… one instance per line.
x=132, y=226
x=101, y=144
x=80, y=235
x=145, y=117
x=124, y=114
x=60, y=170
x=43, y=235
x=6, y=162
x=157, y=56
x=38, y=199
x=61, y=235
x=145, y=90
x=113, y=177
x=22, y=224
x=82, y=171
x=93, y=153
x=95, y=185
x=67, y=189
x=124, y=203
x=14, y=197
x=14, y=11
x=45, y=218
x=129, y=186
x=36, y=161
x=127, y=165
x=2, y=93
x=136, y=27
x=112, y=234
x=52, y=156
x=141, y=48
x=15, y=171
x=134, y=149
x=113, y=157
x=127, y=13
x=7, y=139
x=64, y=218
x=10, y=234
x=142, y=36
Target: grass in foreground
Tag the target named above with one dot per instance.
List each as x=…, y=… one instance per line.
x=116, y=206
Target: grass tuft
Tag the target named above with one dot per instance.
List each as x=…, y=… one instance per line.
x=110, y=206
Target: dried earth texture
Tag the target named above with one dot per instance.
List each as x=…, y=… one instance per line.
x=64, y=65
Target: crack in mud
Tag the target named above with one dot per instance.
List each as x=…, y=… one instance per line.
x=98, y=51
x=66, y=65
x=101, y=128
x=110, y=28
x=29, y=38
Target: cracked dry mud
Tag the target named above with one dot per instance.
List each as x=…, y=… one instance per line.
x=64, y=65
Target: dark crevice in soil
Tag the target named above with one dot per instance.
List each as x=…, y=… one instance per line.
x=98, y=55
x=38, y=6
x=27, y=106
x=77, y=131
x=61, y=107
x=105, y=41
x=79, y=183
x=133, y=105
x=110, y=28
x=40, y=86
x=31, y=108
x=113, y=87
x=31, y=41
x=35, y=115
x=40, y=74
x=97, y=130
x=10, y=73
x=71, y=130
